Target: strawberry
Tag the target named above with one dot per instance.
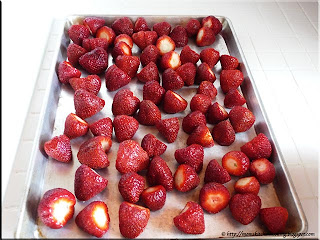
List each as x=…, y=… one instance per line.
x=192, y=120
x=133, y=219
x=171, y=80
x=131, y=186
x=204, y=73
x=149, y=54
x=141, y=25
x=149, y=114
x=258, y=147
x=121, y=48
x=123, y=25
x=193, y=27
x=59, y=148
x=124, y=38
x=77, y=33
x=131, y=157
x=229, y=62
x=191, y=219
x=93, y=152
x=107, y=33
x=145, y=38
x=56, y=207
x=200, y=102
x=160, y=174
x=153, y=91
x=87, y=104
x=205, y=37
x=94, y=219
x=128, y=64
x=149, y=73
x=236, y=163
x=241, y=118
x=207, y=88
x=223, y=133
x=169, y=128
x=245, y=207
x=274, y=218
x=116, y=78
x=125, y=127
x=162, y=28
x=88, y=183
x=191, y=155
x=185, y=178
x=75, y=127
x=93, y=23
x=263, y=170
x=152, y=145
x=66, y=71
x=213, y=23
x=74, y=52
x=216, y=113
x=95, y=61
x=234, y=98
x=91, y=43
x=125, y=103
x=170, y=60
x=187, y=72
x=91, y=83
x=165, y=44
x=154, y=197
x=210, y=56
x=214, y=197
x=188, y=55
x=201, y=135
x=173, y=102
x=216, y=173
x=247, y=185
x=179, y=36
x=230, y=79
x=102, y=127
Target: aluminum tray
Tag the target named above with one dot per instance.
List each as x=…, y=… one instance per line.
x=34, y=173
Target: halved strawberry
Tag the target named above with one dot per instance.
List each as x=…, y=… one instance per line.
x=125, y=103
x=223, y=133
x=204, y=73
x=247, y=185
x=87, y=104
x=116, y=78
x=128, y=64
x=102, y=127
x=263, y=170
x=125, y=127
x=141, y=25
x=171, y=80
x=200, y=102
x=124, y=38
x=192, y=155
x=185, y=178
x=149, y=73
x=210, y=56
x=236, y=163
x=145, y=38
x=233, y=98
x=153, y=91
x=67, y=71
x=154, y=197
x=229, y=62
x=91, y=83
x=94, y=23
x=169, y=128
x=95, y=61
x=241, y=118
x=77, y=33
x=179, y=36
x=131, y=186
x=165, y=44
x=162, y=28
x=91, y=43
x=216, y=113
x=205, y=37
x=74, y=52
x=75, y=126
x=192, y=120
x=201, y=135
x=213, y=23
x=123, y=25
x=258, y=147
x=59, y=148
x=188, y=55
x=274, y=218
x=56, y=207
x=230, y=79
x=107, y=33
x=170, y=60
x=216, y=173
x=149, y=54
x=121, y=48
x=149, y=114
x=152, y=145
x=173, y=102
x=187, y=72
x=193, y=27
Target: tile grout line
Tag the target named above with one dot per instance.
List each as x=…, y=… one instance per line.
x=305, y=13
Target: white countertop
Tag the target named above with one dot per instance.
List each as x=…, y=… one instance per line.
x=279, y=39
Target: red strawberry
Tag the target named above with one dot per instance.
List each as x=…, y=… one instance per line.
x=171, y=80
x=116, y=78
x=241, y=118
x=59, y=148
x=66, y=71
x=258, y=147
x=188, y=55
x=170, y=60
x=245, y=207
x=88, y=183
x=145, y=38
x=210, y=56
x=162, y=28
x=160, y=174
x=87, y=104
x=236, y=163
x=131, y=186
x=223, y=133
x=56, y=207
x=94, y=219
x=125, y=127
x=234, y=98
x=263, y=170
x=216, y=173
x=165, y=44
x=191, y=155
x=107, y=33
x=91, y=83
x=131, y=157
x=204, y=73
x=247, y=185
x=123, y=25
x=93, y=152
x=149, y=54
x=192, y=120
x=77, y=33
x=75, y=126
x=154, y=197
x=128, y=64
x=121, y=48
x=95, y=61
x=169, y=128
x=74, y=52
x=214, y=197
x=201, y=135
x=230, y=79
x=102, y=127
x=200, y=102
x=149, y=73
x=153, y=91
x=191, y=219
x=205, y=37
x=133, y=219
x=213, y=23
x=141, y=25
x=152, y=145
x=216, y=113
x=124, y=38
x=229, y=62
x=207, y=88
x=125, y=103
x=274, y=218
x=94, y=23
x=185, y=178
x=149, y=114
x=173, y=102
x=91, y=43
x=193, y=27
x=187, y=72
x=179, y=36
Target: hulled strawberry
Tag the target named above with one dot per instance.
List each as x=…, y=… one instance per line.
x=107, y=33
x=230, y=79
x=263, y=170
x=204, y=73
x=123, y=25
x=102, y=127
x=162, y=28
x=120, y=49
x=247, y=185
x=216, y=113
x=152, y=145
x=149, y=114
x=193, y=27
x=236, y=163
x=165, y=44
x=145, y=38
x=87, y=104
x=258, y=147
x=131, y=186
x=153, y=91
x=91, y=83
x=223, y=133
x=77, y=33
x=149, y=73
x=74, y=52
x=200, y=102
x=192, y=155
x=150, y=54
x=116, y=78
x=210, y=56
x=201, y=135
x=274, y=218
x=213, y=23
x=128, y=64
x=233, y=98
x=188, y=55
x=179, y=36
x=185, y=178
x=93, y=23
x=187, y=72
x=192, y=120
x=95, y=61
x=125, y=103
x=207, y=88
x=124, y=38
x=173, y=102
x=229, y=62
x=216, y=173
x=171, y=80
x=59, y=148
x=205, y=37
x=75, y=127
x=91, y=43
x=170, y=60
x=141, y=25
x=154, y=197
x=125, y=127
x=66, y=71
x=241, y=118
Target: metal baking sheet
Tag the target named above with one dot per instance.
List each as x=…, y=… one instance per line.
x=46, y=173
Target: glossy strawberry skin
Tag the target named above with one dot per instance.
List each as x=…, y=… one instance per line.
x=125, y=103
x=150, y=54
x=59, y=148
x=230, y=79
x=192, y=155
x=193, y=27
x=223, y=133
x=192, y=120
x=66, y=71
x=149, y=73
x=154, y=197
x=216, y=113
x=188, y=55
x=162, y=28
x=95, y=61
x=187, y=72
x=107, y=33
x=91, y=83
x=93, y=23
x=152, y=145
x=169, y=128
x=229, y=62
x=236, y=163
x=149, y=114
x=263, y=170
x=145, y=38
x=102, y=127
x=74, y=52
x=204, y=73
x=247, y=185
x=213, y=23
x=258, y=147
x=200, y=102
x=131, y=186
x=210, y=56
x=87, y=104
x=207, y=88
x=185, y=178
x=116, y=78
x=274, y=218
x=241, y=118
x=123, y=25
x=75, y=127
x=234, y=98
x=125, y=127
x=128, y=64
x=153, y=91
x=77, y=33
x=141, y=25
x=179, y=36
x=201, y=135
x=216, y=173
x=171, y=80
x=173, y=102
x=205, y=37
